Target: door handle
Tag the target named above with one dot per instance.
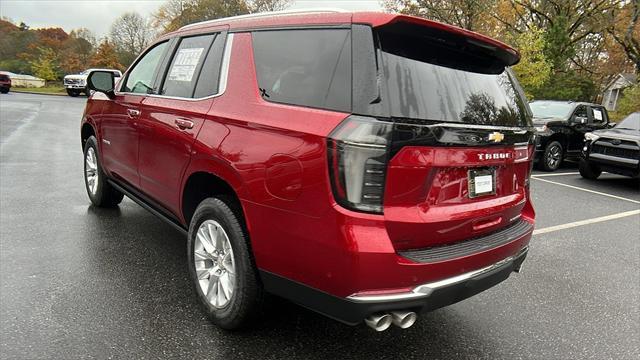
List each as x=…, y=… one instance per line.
x=133, y=113
x=184, y=124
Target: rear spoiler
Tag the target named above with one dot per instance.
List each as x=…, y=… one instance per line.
x=415, y=26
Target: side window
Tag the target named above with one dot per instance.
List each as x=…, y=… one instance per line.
x=599, y=115
x=208, y=81
x=183, y=71
x=305, y=67
x=140, y=78
x=581, y=111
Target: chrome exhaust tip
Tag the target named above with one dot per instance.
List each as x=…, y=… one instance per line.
x=379, y=322
x=403, y=319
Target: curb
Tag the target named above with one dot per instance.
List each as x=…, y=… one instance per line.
x=36, y=93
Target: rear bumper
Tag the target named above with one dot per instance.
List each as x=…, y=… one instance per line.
x=425, y=297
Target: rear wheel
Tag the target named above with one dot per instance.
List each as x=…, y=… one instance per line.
x=589, y=170
x=221, y=266
x=552, y=157
x=100, y=192
x=4, y=90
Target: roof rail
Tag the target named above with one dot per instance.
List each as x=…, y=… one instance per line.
x=267, y=14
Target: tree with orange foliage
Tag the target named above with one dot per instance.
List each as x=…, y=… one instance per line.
x=625, y=31
x=106, y=57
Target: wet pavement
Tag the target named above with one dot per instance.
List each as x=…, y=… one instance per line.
x=80, y=282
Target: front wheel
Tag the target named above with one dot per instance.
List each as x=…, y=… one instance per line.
x=4, y=90
x=72, y=92
x=100, y=192
x=221, y=266
x=552, y=156
x=589, y=170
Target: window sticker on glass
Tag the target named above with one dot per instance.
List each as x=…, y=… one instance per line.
x=185, y=64
x=597, y=114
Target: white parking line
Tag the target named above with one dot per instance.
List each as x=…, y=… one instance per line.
x=555, y=174
x=585, y=222
x=589, y=191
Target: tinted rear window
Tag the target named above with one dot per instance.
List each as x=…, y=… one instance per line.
x=428, y=80
x=305, y=67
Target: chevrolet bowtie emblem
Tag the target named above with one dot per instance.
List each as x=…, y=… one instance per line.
x=496, y=137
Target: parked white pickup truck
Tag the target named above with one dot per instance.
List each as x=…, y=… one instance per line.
x=77, y=83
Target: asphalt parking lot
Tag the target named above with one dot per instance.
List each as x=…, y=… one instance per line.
x=79, y=282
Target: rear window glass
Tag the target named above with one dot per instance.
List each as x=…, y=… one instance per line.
x=429, y=81
x=305, y=67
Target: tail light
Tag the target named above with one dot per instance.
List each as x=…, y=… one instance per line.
x=358, y=155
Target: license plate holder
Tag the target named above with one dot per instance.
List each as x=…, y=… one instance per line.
x=482, y=182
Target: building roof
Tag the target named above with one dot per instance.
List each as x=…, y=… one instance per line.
x=622, y=80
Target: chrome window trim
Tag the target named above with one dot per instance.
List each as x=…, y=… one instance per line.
x=424, y=290
x=517, y=130
x=222, y=82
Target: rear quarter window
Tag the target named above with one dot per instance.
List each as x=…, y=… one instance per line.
x=305, y=67
x=182, y=74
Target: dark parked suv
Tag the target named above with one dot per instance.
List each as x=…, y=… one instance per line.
x=561, y=126
x=614, y=150
x=364, y=165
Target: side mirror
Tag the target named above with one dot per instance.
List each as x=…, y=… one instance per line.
x=102, y=81
x=579, y=120
x=611, y=125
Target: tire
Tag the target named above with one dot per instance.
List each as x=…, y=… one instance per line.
x=100, y=192
x=4, y=90
x=214, y=218
x=589, y=170
x=552, y=156
x=73, y=93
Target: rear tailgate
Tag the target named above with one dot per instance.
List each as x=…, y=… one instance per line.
x=429, y=199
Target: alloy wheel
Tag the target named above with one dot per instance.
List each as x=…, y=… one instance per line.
x=553, y=157
x=91, y=170
x=214, y=263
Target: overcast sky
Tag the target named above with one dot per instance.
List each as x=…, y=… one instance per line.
x=97, y=15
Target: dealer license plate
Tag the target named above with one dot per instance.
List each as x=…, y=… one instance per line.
x=482, y=182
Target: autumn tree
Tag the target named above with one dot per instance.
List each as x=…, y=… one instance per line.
x=256, y=6
x=78, y=50
x=130, y=33
x=106, y=57
x=630, y=101
x=534, y=69
x=467, y=14
x=174, y=14
x=625, y=31
x=44, y=65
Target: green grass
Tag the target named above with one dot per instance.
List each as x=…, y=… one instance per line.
x=56, y=90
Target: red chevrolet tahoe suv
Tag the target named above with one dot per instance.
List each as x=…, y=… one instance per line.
x=364, y=165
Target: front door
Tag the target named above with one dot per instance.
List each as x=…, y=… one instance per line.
x=119, y=137
x=121, y=117
x=578, y=128
x=173, y=118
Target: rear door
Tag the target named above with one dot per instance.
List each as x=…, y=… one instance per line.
x=173, y=117
x=121, y=117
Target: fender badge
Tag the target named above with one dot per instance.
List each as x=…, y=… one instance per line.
x=496, y=137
